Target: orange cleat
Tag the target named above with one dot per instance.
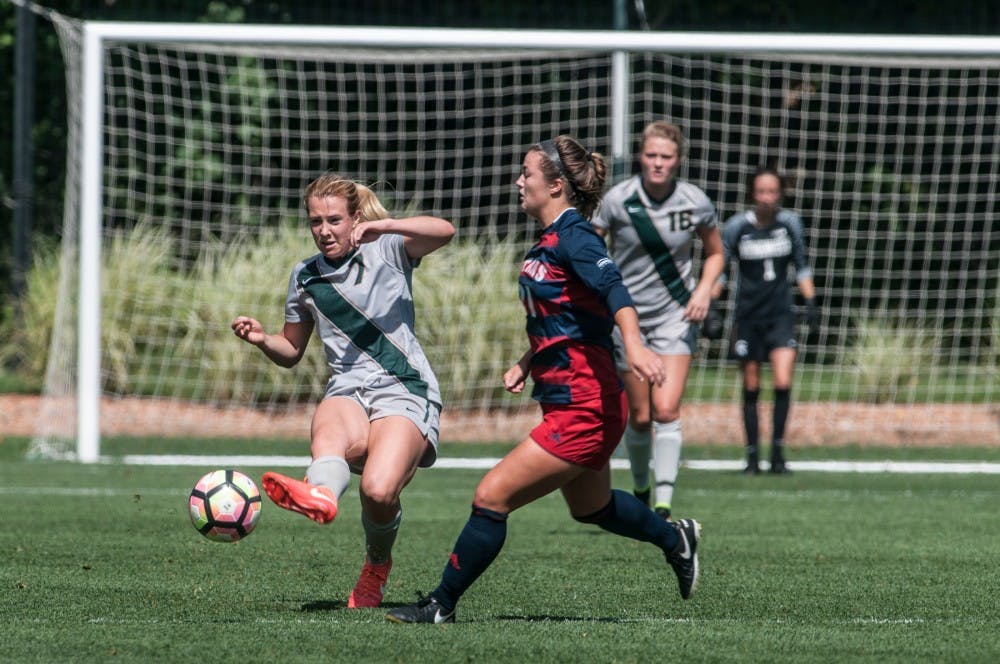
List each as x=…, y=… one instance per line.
x=316, y=502
x=367, y=593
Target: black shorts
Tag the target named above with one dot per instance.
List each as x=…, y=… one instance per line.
x=754, y=339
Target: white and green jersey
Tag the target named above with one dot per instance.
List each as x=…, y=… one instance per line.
x=652, y=242
x=362, y=305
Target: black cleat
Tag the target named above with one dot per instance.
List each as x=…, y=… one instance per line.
x=753, y=465
x=642, y=495
x=663, y=511
x=684, y=559
x=779, y=468
x=426, y=610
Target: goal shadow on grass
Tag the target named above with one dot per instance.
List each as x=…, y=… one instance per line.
x=340, y=605
x=562, y=619
x=324, y=605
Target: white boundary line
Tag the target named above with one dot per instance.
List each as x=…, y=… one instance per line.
x=896, y=467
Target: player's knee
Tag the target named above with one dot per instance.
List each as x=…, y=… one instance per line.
x=666, y=415
x=666, y=411
x=379, y=492
x=490, y=497
x=639, y=420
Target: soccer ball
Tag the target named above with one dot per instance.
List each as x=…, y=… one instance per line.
x=224, y=505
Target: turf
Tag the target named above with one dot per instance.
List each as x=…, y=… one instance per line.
x=101, y=563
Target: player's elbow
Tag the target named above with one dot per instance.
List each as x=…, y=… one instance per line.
x=287, y=360
x=447, y=233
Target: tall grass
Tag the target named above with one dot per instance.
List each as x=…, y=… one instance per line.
x=26, y=332
x=469, y=319
x=138, y=280
x=165, y=327
x=888, y=357
x=245, y=276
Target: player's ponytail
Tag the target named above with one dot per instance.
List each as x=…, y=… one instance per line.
x=584, y=171
x=369, y=205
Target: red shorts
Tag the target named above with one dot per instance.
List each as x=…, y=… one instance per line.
x=583, y=433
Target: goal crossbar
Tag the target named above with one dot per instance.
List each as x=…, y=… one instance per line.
x=591, y=40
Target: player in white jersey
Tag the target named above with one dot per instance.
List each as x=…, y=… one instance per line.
x=766, y=241
x=379, y=416
x=652, y=220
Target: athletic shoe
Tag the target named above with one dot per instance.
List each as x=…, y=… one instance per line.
x=367, y=593
x=684, y=558
x=316, y=502
x=642, y=495
x=426, y=610
x=663, y=511
x=779, y=468
x=753, y=465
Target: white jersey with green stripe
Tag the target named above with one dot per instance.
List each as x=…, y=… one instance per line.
x=362, y=306
x=652, y=241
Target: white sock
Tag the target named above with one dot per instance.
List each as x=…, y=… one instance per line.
x=638, y=444
x=666, y=459
x=330, y=471
x=379, y=538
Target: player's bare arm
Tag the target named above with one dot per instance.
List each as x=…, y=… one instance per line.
x=284, y=349
x=515, y=377
x=701, y=299
x=644, y=362
x=807, y=288
x=422, y=234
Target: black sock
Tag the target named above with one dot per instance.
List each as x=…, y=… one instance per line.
x=782, y=403
x=627, y=516
x=750, y=423
x=475, y=549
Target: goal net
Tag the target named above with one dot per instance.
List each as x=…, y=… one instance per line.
x=191, y=146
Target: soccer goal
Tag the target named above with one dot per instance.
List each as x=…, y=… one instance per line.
x=191, y=145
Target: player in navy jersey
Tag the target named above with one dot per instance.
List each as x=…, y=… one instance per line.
x=765, y=241
x=652, y=220
x=573, y=296
x=379, y=416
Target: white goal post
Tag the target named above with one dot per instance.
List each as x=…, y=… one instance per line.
x=802, y=102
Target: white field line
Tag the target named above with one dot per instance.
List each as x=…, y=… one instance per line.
x=262, y=461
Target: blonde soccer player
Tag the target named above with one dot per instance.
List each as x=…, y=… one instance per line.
x=380, y=412
x=651, y=221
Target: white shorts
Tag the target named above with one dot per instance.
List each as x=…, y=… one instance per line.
x=381, y=395
x=668, y=338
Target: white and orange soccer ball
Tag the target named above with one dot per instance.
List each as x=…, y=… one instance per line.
x=224, y=505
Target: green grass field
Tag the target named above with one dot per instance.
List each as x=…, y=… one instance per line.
x=100, y=563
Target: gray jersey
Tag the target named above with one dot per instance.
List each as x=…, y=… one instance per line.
x=362, y=305
x=652, y=241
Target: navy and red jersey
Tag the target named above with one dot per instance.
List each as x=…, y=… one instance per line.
x=571, y=289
